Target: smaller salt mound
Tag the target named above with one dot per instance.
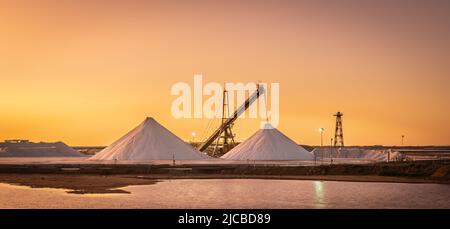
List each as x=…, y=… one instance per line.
x=268, y=144
x=41, y=149
x=357, y=153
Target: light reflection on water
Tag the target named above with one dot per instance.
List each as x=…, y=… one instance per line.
x=318, y=187
x=238, y=193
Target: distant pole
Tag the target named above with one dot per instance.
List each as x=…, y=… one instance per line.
x=315, y=158
x=331, y=151
x=403, y=137
x=321, y=136
x=321, y=143
x=193, y=134
x=173, y=159
x=389, y=155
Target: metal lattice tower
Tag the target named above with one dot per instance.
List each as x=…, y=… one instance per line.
x=223, y=133
x=226, y=139
x=339, y=134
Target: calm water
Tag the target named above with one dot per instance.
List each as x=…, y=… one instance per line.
x=243, y=193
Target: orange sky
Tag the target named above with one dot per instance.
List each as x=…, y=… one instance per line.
x=86, y=72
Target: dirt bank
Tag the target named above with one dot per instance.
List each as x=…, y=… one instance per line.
x=79, y=184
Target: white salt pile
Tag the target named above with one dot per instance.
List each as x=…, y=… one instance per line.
x=357, y=153
x=268, y=144
x=149, y=141
x=41, y=149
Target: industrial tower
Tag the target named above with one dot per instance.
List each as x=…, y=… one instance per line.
x=226, y=139
x=339, y=134
x=223, y=136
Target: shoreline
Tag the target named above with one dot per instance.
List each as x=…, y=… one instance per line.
x=338, y=178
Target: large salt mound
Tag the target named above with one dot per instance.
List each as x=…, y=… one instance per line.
x=268, y=144
x=41, y=149
x=149, y=141
x=357, y=153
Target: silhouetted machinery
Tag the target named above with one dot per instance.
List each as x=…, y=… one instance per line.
x=223, y=137
x=338, y=133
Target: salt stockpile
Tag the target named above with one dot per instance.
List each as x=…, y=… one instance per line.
x=268, y=144
x=358, y=153
x=149, y=141
x=24, y=148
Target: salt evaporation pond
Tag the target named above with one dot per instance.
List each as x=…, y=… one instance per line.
x=238, y=193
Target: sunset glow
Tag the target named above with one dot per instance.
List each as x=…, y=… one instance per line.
x=86, y=72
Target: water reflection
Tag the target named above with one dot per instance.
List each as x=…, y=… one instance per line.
x=238, y=193
x=319, y=194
